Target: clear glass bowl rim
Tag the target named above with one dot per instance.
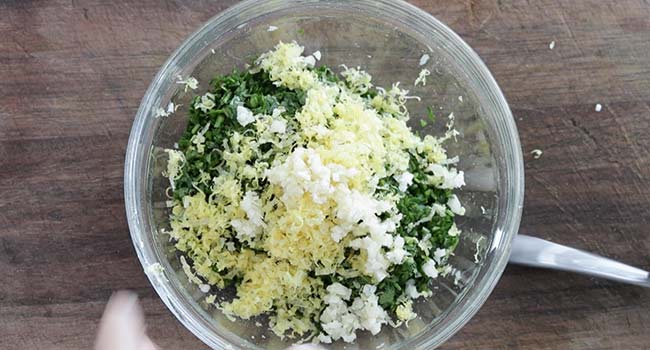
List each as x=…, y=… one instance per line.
x=138, y=153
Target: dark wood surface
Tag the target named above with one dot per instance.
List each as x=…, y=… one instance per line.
x=72, y=74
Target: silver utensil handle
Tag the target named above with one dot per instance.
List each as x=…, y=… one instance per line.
x=536, y=252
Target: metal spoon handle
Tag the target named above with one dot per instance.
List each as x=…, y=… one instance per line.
x=536, y=252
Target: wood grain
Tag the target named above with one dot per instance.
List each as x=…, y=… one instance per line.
x=72, y=74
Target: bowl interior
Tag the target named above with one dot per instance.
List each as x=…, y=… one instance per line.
x=388, y=39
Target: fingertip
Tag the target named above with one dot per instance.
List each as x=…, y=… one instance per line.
x=147, y=344
x=122, y=325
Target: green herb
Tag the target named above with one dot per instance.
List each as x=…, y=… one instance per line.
x=430, y=114
x=255, y=91
x=415, y=205
x=325, y=73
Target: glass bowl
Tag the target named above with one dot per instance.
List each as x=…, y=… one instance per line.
x=388, y=38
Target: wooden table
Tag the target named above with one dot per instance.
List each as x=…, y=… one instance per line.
x=72, y=74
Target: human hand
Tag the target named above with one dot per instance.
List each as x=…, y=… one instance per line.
x=122, y=325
